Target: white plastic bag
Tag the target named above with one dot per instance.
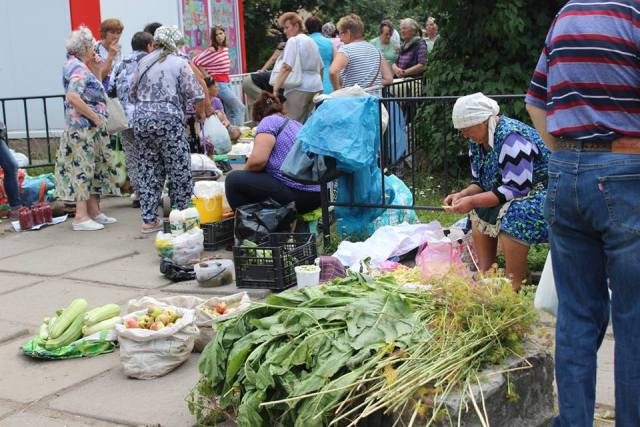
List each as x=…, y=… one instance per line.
x=389, y=241
x=204, y=320
x=188, y=247
x=202, y=163
x=21, y=159
x=216, y=134
x=546, y=297
x=147, y=354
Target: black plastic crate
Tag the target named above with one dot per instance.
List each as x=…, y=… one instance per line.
x=258, y=269
x=216, y=235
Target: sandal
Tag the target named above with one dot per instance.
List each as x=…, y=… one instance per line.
x=151, y=228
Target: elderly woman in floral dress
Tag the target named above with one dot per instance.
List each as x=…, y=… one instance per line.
x=162, y=90
x=83, y=164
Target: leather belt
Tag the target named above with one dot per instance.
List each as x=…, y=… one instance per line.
x=624, y=145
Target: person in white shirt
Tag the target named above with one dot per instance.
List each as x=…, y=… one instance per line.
x=299, y=48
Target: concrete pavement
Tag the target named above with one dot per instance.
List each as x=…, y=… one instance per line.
x=43, y=270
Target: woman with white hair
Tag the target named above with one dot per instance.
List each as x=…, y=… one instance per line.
x=83, y=164
x=506, y=196
x=163, y=88
x=413, y=51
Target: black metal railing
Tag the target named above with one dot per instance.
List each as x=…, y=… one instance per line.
x=420, y=141
x=24, y=119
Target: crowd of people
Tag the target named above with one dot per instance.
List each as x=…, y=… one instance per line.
x=164, y=93
x=570, y=180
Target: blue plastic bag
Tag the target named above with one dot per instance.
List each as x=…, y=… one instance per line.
x=30, y=189
x=347, y=129
x=401, y=196
x=396, y=136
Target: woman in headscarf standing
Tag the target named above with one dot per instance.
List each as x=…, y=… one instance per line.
x=509, y=175
x=162, y=90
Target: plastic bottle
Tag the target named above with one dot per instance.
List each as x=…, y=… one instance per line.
x=191, y=219
x=176, y=221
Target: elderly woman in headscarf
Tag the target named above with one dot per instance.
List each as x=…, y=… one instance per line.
x=162, y=90
x=83, y=164
x=506, y=196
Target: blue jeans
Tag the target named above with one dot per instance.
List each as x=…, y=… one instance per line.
x=593, y=211
x=10, y=168
x=233, y=107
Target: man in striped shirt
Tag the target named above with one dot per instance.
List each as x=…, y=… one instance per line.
x=584, y=99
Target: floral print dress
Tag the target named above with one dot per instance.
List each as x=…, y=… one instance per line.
x=515, y=170
x=83, y=162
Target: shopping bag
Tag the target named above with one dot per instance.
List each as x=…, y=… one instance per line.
x=216, y=134
x=308, y=168
x=147, y=354
x=546, y=297
x=438, y=259
x=294, y=79
x=256, y=221
x=117, y=121
x=118, y=164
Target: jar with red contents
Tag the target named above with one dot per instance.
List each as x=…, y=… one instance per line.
x=37, y=213
x=47, y=212
x=25, y=217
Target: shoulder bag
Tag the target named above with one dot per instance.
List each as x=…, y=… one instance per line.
x=294, y=79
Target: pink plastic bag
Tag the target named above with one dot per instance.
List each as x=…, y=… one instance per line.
x=437, y=259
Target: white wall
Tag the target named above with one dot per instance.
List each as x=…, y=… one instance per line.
x=32, y=35
x=135, y=14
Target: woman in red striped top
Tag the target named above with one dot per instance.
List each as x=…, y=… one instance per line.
x=214, y=62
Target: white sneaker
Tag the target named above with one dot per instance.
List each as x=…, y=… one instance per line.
x=103, y=219
x=88, y=225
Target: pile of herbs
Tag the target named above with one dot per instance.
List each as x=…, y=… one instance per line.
x=337, y=353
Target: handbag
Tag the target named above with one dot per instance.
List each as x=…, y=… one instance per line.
x=308, y=168
x=117, y=120
x=294, y=79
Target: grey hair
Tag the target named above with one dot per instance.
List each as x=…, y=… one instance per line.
x=329, y=30
x=411, y=23
x=79, y=42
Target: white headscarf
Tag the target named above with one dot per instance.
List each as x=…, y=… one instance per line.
x=475, y=109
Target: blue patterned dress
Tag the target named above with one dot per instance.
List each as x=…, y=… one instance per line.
x=515, y=170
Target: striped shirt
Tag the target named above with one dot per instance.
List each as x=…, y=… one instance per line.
x=216, y=64
x=588, y=75
x=363, y=67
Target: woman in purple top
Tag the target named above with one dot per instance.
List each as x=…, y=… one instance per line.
x=413, y=52
x=261, y=177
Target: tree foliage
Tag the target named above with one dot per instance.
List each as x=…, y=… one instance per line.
x=491, y=46
x=261, y=33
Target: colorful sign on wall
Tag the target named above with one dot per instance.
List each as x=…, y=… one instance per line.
x=195, y=24
x=226, y=14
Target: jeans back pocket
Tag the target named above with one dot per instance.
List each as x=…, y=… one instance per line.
x=622, y=194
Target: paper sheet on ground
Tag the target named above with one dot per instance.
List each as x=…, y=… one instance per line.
x=389, y=241
x=56, y=220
